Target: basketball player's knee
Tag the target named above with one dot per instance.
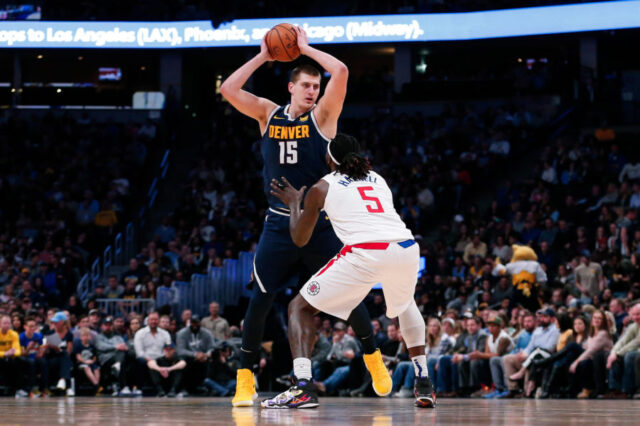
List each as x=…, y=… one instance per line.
x=298, y=305
x=412, y=326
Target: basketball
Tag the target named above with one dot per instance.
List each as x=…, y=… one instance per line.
x=282, y=42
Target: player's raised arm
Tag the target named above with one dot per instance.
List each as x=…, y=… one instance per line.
x=301, y=222
x=247, y=103
x=330, y=105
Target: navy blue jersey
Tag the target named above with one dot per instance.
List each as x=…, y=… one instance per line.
x=293, y=148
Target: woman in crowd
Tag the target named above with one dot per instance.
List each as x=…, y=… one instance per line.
x=583, y=369
x=438, y=344
x=555, y=367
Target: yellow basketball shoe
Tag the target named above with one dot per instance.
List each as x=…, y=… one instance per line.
x=379, y=374
x=245, y=389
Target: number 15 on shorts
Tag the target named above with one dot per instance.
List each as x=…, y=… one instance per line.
x=288, y=152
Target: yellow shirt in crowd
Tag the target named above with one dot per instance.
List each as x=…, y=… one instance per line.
x=8, y=341
x=563, y=339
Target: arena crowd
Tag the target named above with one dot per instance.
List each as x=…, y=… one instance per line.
x=572, y=330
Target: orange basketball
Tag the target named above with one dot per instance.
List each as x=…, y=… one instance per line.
x=282, y=42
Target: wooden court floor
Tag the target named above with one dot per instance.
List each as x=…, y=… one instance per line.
x=333, y=411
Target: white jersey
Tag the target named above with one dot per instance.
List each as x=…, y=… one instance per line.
x=362, y=211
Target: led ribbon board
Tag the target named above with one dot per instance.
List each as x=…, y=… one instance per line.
x=346, y=29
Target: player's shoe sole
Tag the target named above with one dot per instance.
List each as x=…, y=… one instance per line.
x=299, y=396
x=264, y=404
x=425, y=401
x=246, y=402
x=423, y=391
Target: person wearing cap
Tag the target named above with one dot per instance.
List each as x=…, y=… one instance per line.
x=58, y=346
x=498, y=343
x=221, y=378
x=113, y=357
x=542, y=344
x=94, y=320
x=166, y=371
x=98, y=292
x=343, y=350
x=195, y=344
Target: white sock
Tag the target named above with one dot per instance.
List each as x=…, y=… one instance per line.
x=302, y=368
x=420, y=365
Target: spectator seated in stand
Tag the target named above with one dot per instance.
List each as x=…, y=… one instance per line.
x=149, y=343
x=167, y=371
x=195, y=346
x=221, y=379
x=622, y=360
x=85, y=355
x=215, y=323
x=10, y=352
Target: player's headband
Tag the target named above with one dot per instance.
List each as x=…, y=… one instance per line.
x=330, y=154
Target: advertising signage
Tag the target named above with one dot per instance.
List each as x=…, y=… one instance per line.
x=321, y=30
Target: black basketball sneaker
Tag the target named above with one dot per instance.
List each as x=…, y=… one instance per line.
x=425, y=396
x=301, y=395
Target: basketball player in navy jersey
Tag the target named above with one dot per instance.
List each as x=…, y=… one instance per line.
x=294, y=145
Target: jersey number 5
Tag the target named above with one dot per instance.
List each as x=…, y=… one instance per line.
x=288, y=152
x=378, y=209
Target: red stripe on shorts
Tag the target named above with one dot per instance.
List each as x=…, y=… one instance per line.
x=347, y=249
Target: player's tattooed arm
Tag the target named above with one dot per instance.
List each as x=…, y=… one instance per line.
x=301, y=222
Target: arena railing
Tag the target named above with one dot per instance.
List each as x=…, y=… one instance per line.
x=123, y=247
x=225, y=285
x=123, y=307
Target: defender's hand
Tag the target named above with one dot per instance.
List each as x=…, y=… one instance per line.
x=287, y=193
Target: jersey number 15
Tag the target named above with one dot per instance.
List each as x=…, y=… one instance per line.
x=288, y=152
x=375, y=200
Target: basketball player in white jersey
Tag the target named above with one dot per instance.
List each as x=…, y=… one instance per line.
x=378, y=249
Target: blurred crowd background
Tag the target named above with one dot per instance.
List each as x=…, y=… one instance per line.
x=532, y=148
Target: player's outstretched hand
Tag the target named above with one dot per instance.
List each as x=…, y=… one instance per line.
x=287, y=193
x=303, y=41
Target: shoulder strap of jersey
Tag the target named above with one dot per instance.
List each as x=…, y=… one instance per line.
x=276, y=110
x=329, y=178
x=315, y=123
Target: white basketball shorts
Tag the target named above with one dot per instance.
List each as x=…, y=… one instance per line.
x=347, y=279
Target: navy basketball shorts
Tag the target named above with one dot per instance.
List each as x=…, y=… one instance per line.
x=279, y=263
